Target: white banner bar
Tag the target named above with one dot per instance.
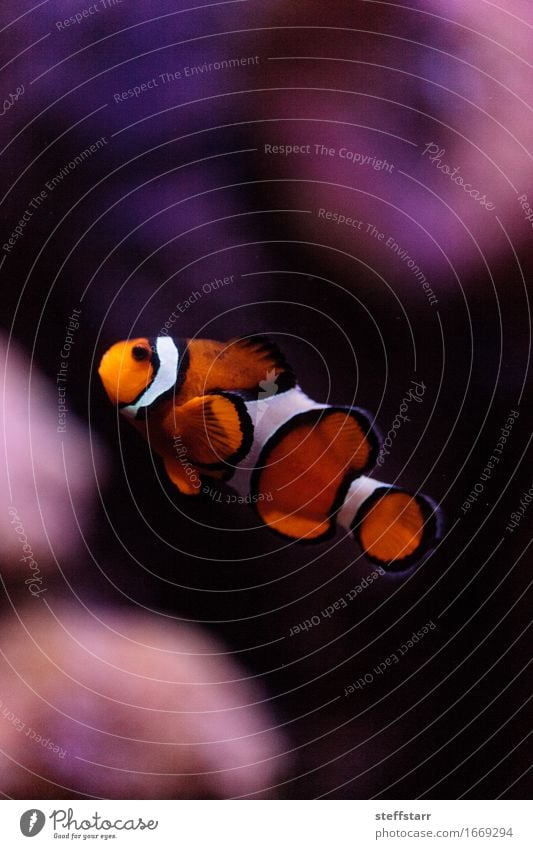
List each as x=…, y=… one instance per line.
x=269, y=824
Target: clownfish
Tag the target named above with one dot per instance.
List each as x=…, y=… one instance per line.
x=234, y=411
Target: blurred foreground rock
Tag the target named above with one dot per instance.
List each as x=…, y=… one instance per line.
x=123, y=705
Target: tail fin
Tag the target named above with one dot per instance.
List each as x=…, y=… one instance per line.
x=394, y=528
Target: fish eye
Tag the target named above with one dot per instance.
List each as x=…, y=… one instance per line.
x=140, y=353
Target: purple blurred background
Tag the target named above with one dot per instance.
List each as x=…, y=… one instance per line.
x=188, y=185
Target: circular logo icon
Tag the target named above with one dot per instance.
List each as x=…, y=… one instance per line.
x=32, y=822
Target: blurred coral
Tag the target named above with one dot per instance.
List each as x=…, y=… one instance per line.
x=47, y=479
x=135, y=172
x=120, y=705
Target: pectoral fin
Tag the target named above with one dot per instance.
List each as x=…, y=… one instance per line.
x=213, y=429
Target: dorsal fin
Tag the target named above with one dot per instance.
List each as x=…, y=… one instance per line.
x=238, y=365
x=268, y=357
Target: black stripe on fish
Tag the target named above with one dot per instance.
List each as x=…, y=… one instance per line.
x=183, y=367
x=155, y=362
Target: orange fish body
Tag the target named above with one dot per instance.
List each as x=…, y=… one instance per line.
x=233, y=411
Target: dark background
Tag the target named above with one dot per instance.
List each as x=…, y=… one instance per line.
x=173, y=201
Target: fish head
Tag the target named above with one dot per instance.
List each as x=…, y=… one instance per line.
x=126, y=369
